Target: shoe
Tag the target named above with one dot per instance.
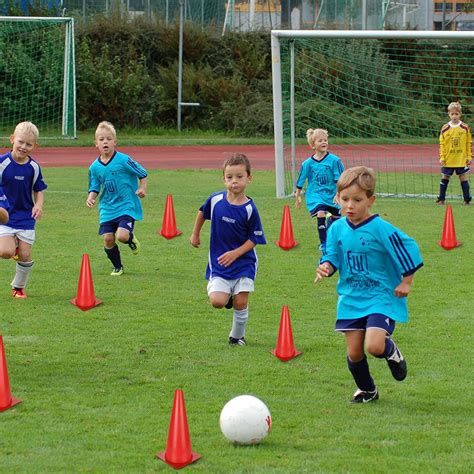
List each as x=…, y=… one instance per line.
x=135, y=245
x=117, y=272
x=365, y=397
x=467, y=202
x=237, y=342
x=18, y=293
x=15, y=257
x=230, y=303
x=397, y=365
x=440, y=201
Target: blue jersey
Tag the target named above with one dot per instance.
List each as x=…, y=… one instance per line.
x=322, y=177
x=4, y=201
x=117, y=182
x=372, y=258
x=19, y=182
x=231, y=226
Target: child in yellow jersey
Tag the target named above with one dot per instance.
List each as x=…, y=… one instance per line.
x=455, y=153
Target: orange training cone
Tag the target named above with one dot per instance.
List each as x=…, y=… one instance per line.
x=178, y=452
x=285, y=349
x=168, y=228
x=448, y=240
x=85, y=298
x=6, y=399
x=286, y=241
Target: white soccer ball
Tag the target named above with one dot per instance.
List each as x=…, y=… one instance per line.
x=245, y=420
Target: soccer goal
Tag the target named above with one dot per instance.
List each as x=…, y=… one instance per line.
x=38, y=75
x=382, y=95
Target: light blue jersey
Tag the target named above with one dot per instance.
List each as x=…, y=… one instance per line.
x=322, y=177
x=117, y=182
x=372, y=258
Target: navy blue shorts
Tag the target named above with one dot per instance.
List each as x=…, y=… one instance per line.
x=450, y=171
x=323, y=207
x=375, y=320
x=110, y=227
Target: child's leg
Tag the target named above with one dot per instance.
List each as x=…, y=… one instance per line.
x=218, y=299
x=357, y=361
x=112, y=251
x=466, y=194
x=7, y=246
x=125, y=234
x=23, y=266
x=322, y=229
x=241, y=315
x=443, y=186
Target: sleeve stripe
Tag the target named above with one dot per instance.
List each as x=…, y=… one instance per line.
x=138, y=169
x=401, y=252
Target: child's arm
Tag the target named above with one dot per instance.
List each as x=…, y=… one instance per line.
x=195, y=238
x=91, y=198
x=403, y=289
x=323, y=271
x=141, y=191
x=442, y=152
x=298, y=198
x=37, y=211
x=469, y=147
x=228, y=258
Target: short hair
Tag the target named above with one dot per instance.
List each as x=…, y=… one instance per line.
x=106, y=126
x=362, y=176
x=237, y=159
x=28, y=128
x=455, y=106
x=312, y=133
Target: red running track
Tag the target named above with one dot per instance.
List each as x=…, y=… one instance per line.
x=388, y=158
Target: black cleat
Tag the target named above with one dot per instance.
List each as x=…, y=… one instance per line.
x=440, y=201
x=365, y=397
x=237, y=342
x=397, y=365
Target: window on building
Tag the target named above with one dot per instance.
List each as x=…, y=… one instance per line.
x=439, y=7
x=459, y=7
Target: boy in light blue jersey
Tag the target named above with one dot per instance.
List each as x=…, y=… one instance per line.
x=121, y=181
x=321, y=171
x=376, y=263
x=23, y=185
x=235, y=231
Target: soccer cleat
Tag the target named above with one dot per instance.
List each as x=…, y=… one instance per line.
x=18, y=293
x=135, y=245
x=467, y=202
x=15, y=257
x=365, y=397
x=230, y=303
x=440, y=201
x=117, y=271
x=397, y=365
x=237, y=342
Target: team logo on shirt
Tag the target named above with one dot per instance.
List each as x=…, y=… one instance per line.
x=20, y=178
x=358, y=263
x=228, y=219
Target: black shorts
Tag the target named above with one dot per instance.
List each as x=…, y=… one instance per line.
x=450, y=171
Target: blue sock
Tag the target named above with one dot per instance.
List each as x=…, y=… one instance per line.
x=443, y=186
x=322, y=229
x=465, y=190
x=390, y=347
x=114, y=256
x=361, y=374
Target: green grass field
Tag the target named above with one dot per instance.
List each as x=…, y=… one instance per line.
x=98, y=386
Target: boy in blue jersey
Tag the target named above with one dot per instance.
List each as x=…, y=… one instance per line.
x=23, y=185
x=120, y=181
x=321, y=170
x=376, y=263
x=4, y=206
x=235, y=231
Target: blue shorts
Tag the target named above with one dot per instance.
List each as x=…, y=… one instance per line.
x=375, y=320
x=110, y=227
x=450, y=171
x=323, y=207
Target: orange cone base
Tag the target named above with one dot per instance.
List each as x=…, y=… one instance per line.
x=458, y=244
x=178, y=232
x=86, y=308
x=14, y=401
x=178, y=465
x=287, y=358
x=294, y=244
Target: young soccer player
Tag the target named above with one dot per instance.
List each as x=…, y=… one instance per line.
x=235, y=231
x=4, y=206
x=322, y=170
x=23, y=185
x=376, y=263
x=455, y=153
x=120, y=181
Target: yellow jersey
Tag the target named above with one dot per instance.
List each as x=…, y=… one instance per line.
x=455, y=145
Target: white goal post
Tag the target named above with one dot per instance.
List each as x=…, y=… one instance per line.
x=288, y=90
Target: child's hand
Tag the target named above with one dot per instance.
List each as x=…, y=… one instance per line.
x=298, y=202
x=90, y=202
x=403, y=289
x=442, y=162
x=194, y=240
x=140, y=192
x=37, y=212
x=323, y=271
x=228, y=258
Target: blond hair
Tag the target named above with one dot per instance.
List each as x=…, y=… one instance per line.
x=313, y=133
x=361, y=176
x=106, y=126
x=28, y=128
x=455, y=106
x=238, y=159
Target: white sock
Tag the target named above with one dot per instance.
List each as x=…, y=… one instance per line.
x=22, y=273
x=239, y=323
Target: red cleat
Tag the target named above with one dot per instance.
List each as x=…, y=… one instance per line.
x=18, y=293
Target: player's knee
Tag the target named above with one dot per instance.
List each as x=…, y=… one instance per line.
x=7, y=253
x=355, y=355
x=109, y=241
x=375, y=348
x=216, y=301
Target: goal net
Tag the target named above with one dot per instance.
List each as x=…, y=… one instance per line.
x=382, y=95
x=37, y=75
